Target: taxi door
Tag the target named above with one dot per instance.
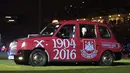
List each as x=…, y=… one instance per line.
x=65, y=43
x=88, y=42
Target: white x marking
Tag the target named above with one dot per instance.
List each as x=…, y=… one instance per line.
x=39, y=43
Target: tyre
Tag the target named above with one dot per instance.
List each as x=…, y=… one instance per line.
x=38, y=58
x=106, y=59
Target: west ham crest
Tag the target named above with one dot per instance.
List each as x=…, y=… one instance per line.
x=89, y=50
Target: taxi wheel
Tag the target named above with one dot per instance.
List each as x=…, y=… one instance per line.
x=38, y=58
x=106, y=59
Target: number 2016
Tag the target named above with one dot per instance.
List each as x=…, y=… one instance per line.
x=65, y=54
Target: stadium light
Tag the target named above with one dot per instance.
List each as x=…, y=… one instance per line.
x=110, y=16
x=11, y=20
x=119, y=15
x=7, y=16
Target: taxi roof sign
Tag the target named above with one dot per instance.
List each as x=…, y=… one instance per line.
x=55, y=21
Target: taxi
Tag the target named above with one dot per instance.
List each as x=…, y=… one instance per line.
x=69, y=41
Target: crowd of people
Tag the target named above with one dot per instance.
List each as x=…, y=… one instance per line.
x=121, y=31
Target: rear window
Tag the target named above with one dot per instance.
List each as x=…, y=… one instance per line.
x=104, y=32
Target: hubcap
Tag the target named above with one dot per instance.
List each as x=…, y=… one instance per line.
x=38, y=58
x=107, y=58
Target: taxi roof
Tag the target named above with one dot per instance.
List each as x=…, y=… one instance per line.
x=80, y=22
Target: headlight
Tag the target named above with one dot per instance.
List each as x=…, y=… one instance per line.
x=10, y=44
x=12, y=47
x=23, y=44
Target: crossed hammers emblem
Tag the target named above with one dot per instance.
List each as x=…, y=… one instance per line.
x=39, y=43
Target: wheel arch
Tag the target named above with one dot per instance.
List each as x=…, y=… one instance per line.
x=43, y=49
x=109, y=51
x=111, y=60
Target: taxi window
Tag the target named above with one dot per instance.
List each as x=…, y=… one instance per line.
x=67, y=31
x=104, y=32
x=50, y=29
x=87, y=31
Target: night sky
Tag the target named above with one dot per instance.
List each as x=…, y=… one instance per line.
x=28, y=13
